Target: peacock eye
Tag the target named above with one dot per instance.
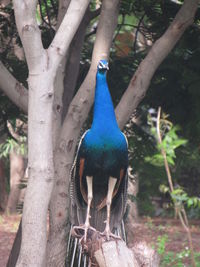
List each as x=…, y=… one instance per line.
x=100, y=66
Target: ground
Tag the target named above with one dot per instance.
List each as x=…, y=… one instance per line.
x=166, y=235
x=8, y=229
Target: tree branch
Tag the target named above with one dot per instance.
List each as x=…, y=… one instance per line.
x=141, y=79
x=29, y=33
x=70, y=24
x=115, y=254
x=73, y=63
x=16, y=92
x=62, y=8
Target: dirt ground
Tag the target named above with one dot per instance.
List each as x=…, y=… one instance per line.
x=8, y=229
x=147, y=229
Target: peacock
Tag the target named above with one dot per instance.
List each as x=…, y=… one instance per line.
x=99, y=173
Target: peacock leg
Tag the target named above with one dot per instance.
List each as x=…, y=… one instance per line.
x=89, y=180
x=111, y=185
x=86, y=226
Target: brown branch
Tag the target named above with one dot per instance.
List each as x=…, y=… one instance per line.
x=137, y=31
x=15, y=91
x=141, y=79
x=73, y=63
x=95, y=13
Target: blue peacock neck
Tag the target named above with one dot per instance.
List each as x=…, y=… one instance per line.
x=104, y=114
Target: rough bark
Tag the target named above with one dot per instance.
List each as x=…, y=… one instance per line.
x=42, y=66
x=115, y=254
x=161, y=48
x=78, y=110
x=145, y=255
x=16, y=174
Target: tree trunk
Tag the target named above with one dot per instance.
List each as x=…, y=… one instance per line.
x=42, y=66
x=3, y=192
x=16, y=174
x=133, y=187
x=115, y=253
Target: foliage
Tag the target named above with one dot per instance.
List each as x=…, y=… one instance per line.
x=170, y=142
x=10, y=145
x=170, y=258
x=161, y=243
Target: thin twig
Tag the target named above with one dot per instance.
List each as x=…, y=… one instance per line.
x=163, y=152
x=137, y=31
x=181, y=212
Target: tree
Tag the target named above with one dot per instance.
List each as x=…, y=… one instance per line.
x=52, y=134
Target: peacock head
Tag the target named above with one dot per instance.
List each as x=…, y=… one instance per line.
x=103, y=66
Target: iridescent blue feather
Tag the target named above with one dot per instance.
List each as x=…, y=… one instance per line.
x=102, y=153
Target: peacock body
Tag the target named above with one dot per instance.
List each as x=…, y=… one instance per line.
x=99, y=173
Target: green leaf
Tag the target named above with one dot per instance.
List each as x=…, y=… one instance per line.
x=189, y=202
x=163, y=188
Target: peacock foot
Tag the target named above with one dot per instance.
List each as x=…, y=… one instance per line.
x=81, y=231
x=108, y=234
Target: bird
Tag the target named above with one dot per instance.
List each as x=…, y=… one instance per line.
x=99, y=173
